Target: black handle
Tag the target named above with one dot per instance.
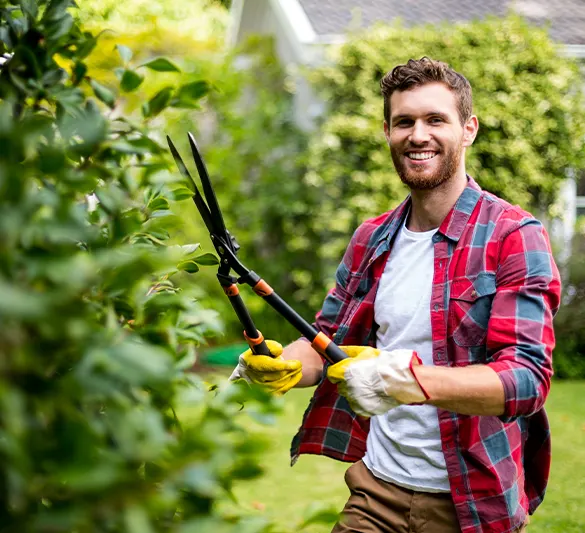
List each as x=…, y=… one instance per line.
x=253, y=336
x=260, y=348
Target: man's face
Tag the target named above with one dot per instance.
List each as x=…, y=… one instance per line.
x=425, y=135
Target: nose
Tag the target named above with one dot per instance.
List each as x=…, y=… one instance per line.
x=419, y=133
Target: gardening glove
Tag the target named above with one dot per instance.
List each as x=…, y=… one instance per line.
x=273, y=373
x=376, y=381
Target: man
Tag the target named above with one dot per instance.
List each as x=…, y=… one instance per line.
x=457, y=290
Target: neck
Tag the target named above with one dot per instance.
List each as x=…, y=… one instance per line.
x=430, y=207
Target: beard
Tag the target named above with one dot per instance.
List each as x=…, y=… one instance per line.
x=418, y=179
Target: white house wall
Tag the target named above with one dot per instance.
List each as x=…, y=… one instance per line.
x=260, y=17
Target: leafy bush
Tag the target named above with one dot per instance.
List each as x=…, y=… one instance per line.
x=256, y=158
x=527, y=96
x=569, y=355
x=96, y=333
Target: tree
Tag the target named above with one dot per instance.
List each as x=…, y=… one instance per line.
x=527, y=96
x=97, y=328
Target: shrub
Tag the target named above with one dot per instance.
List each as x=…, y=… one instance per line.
x=569, y=355
x=256, y=158
x=97, y=333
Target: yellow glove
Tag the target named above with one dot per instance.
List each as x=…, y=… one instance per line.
x=273, y=373
x=336, y=372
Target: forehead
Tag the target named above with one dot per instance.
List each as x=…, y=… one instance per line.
x=421, y=100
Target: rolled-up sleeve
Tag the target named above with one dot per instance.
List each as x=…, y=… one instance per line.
x=520, y=332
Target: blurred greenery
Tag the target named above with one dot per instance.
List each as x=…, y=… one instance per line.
x=98, y=327
x=569, y=356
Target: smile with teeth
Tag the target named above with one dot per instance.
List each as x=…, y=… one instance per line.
x=421, y=156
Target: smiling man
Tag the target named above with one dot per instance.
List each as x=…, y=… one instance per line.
x=445, y=307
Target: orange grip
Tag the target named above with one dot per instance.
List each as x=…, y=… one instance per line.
x=232, y=290
x=256, y=341
x=262, y=288
x=320, y=342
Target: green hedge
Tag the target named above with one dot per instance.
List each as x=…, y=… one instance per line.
x=98, y=329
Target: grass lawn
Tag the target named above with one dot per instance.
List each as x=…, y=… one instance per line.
x=284, y=492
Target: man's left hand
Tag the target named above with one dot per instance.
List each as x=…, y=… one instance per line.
x=375, y=381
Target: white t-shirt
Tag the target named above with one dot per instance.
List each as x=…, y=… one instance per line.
x=404, y=445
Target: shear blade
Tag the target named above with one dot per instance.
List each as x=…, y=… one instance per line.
x=202, y=207
x=208, y=191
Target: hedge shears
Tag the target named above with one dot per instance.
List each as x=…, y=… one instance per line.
x=227, y=248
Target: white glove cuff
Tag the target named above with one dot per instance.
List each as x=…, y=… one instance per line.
x=240, y=372
x=395, y=370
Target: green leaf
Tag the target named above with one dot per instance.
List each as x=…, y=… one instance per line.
x=188, y=360
x=161, y=64
x=127, y=147
x=159, y=203
x=159, y=101
x=188, y=266
x=56, y=9
x=188, y=95
x=182, y=193
x=30, y=8
x=207, y=259
x=125, y=53
x=103, y=94
x=18, y=303
x=86, y=46
x=130, y=81
x=79, y=70
x=55, y=29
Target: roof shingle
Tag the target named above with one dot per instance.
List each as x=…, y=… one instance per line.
x=334, y=17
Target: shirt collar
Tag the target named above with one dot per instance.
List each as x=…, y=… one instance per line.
x=453, y=224
x=456, y=220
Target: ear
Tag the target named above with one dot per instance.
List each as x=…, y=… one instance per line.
x=470, y=129
x=387, y=132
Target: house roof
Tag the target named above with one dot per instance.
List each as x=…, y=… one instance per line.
x=330, y=18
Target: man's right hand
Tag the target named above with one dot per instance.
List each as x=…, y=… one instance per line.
x=274, y=373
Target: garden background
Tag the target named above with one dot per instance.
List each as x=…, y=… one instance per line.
x=108, y=296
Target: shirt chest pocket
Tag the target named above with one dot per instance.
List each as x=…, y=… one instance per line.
x=470, y=305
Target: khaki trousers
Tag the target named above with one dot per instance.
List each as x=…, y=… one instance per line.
x=375, y=506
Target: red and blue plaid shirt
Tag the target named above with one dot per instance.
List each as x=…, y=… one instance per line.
x=495, y=291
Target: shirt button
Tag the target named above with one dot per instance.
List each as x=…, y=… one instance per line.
x=440, y=264
x=436, y=307
x=440, y=356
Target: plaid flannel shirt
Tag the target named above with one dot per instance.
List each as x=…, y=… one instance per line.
x=495, y=291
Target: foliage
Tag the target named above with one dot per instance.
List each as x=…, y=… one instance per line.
x=526, y=95
x=190, y=20
x=569, y=355
x=254, y=152
x=97, y=331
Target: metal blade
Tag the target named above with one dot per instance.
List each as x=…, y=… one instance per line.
x=207, y=188
x=197, y=198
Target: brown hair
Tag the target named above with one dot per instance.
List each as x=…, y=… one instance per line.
x=418, y=72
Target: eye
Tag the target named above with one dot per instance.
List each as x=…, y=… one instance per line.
x=404, y=123
x=436, y=120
